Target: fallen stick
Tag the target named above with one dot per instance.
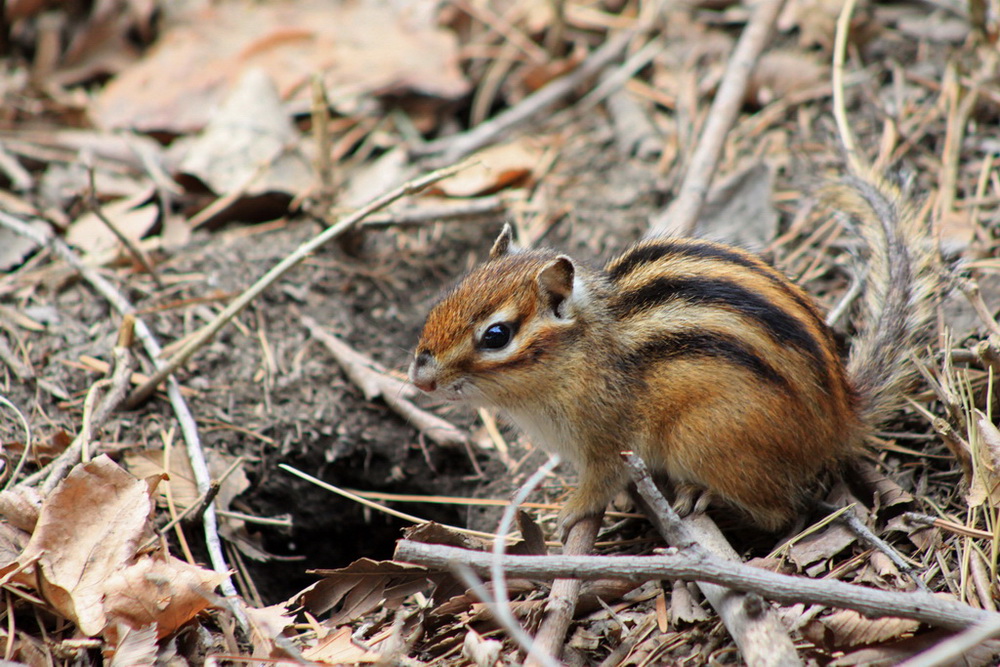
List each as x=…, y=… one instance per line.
x=677, y=564
x=751, y=622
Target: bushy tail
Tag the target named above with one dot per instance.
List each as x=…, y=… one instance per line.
x=902, y=277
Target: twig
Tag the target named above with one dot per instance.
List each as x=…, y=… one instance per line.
x=535, y=651
x=691, y=566
x=447, y=210
x=681, y=216
x=751, y=622
x=375, y=383
x=203, y=335
x=839, y=105
x=373, y=505
x=133, y=248
x=458, y=146
x=28, y=444
x=948, y=651
x=565, y=591
x=93, y=417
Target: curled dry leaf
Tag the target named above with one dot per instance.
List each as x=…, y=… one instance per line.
x=20, y=506
x=88, y=529
x=495, y=168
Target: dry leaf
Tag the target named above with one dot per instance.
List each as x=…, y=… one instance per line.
x=136, y=647
x=183, y=489
x=337, y=649
x=849, y=628
x=20, y=506
x=88, y=529
x=249, y=144
x=820, y=546
x=358, y=48
x=500, y=166
x=265, y=624
x=132, y=216
x=362, y=586
x=161, y=591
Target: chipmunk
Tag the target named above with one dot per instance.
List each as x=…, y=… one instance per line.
x=700, y=357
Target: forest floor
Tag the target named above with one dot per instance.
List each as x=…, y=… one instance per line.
x=219, y=138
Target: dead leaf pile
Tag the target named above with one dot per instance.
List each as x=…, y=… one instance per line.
x=84, y=560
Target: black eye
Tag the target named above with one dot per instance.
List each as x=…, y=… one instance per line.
x=496, y=336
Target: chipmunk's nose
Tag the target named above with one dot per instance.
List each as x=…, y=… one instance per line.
x=424, y=371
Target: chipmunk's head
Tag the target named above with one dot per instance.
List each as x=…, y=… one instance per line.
x=487, y=338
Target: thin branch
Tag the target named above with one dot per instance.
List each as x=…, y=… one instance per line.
x=535, y=651
x=681, y=216
x=950, y=650
x=205, y=334
x=761, y=637
x=839, y=105
x=681, y=564
x=133, y=248
x=458, y=146
x=565, y=591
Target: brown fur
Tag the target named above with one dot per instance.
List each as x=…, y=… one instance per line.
x=707, y=362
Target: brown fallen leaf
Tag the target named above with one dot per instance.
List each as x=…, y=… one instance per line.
x=820, y=546
x=362, y=586
x=133, y=216
x=88, y=529
x=182, y=486
x=495, y=168
x=157, y=590
x=849, y=628
x=266, y=623
x=359, y=49
x=337, y=648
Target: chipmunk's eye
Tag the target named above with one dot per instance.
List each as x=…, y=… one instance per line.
x=496, y=336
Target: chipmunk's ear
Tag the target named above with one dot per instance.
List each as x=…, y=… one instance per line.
x=555, y=281
x=504, y=243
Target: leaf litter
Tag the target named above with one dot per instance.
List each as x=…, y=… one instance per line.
x=186, y=114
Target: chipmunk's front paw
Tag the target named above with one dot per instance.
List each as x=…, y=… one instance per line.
x=691, y=499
